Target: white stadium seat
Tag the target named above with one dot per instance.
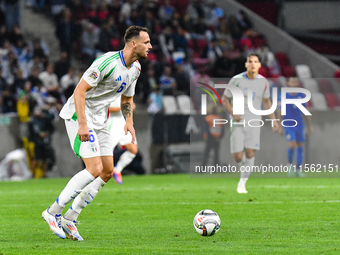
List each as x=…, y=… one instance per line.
x=310, y=84
x=319, y=101
x=169, y=105
x=303, y=71
x=184, y=103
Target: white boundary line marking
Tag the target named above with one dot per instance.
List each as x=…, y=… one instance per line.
x=202, y=203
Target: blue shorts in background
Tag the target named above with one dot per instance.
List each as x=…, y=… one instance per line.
x=296, y=134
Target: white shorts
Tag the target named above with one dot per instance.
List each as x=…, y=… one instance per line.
x=99, y=145
x=116, y=129
x=244, y=137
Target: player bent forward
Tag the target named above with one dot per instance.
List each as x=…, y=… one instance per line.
x=110, y=76
x=244, y=137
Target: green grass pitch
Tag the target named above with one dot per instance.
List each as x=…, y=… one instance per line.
x=154, y=214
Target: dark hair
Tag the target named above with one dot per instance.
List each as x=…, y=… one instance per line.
x=133, y=31
x=254, y=55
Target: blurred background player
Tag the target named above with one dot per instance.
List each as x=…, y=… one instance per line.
x=213, y=136
x=295, y=135
x=116, y=125
x=245, y=138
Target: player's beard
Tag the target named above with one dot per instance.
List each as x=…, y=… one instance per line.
x=144, y=56
x=140, y=55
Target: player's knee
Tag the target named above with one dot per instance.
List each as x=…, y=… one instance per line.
x=292, y=144
x=96, y=169
x=250, y=154
x=107, y=173
x=133, y=150
x=238, y=157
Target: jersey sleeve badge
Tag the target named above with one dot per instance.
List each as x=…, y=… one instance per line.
x=94, y=75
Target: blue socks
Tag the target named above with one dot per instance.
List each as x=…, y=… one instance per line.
x=290, y=153
x=299, y=157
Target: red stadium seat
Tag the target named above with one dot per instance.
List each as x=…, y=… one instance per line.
x=152, y=56
x=282, y=58
x=337, y=74
x=115, y=43
x=325, y=86
x=191, y=44
x=246, y=43
x=201, y=44
x=309, y=104
x=288, y=71
x=258, y=42
x=332, y=100
x=263, y=71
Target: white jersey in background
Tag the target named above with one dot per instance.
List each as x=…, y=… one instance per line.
x=260, y=90
x=110, y=78
x=116, y=125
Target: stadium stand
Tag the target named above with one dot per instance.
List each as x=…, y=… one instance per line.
x=303, y=71
x=169, y=105
x=202, y=37
x=319, y=102
x=332, y=100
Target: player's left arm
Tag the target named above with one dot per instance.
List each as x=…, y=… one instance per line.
x=267, y=105
x=127, y=111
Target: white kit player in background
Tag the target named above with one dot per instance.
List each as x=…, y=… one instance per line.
x=245, y=138
x=111, y=76
x=116, y=127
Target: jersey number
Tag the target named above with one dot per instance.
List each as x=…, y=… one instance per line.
x=121, y=87
x=91, y=136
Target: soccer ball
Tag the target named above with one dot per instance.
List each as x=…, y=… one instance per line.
x=207, y=222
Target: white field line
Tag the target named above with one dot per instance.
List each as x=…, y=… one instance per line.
x=201, y=203
x=227, y=203
x=123, y=189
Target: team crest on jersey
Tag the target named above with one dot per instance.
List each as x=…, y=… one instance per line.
x=94, y=75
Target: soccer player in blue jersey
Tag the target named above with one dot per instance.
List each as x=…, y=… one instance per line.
x=295, y=136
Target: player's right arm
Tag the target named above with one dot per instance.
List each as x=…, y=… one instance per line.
x=79, y=101
x=226, y=101
x=227, y=106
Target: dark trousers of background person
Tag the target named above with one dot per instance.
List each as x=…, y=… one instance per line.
x=211, y=144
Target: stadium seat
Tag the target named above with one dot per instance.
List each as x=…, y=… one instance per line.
x=152, y=56
x=263, y=71
x=309, y=104
x=319, y=101
x=201, y=44
x=303, y=71
x=332, y=100
x=288, y=71
x=325, y=86
x=184, y=103
x=115, y=43
x=310, y=84
x=337, y=74
x=282, y=58
x=190, y=44
x=259, y=41
x=169, y=105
